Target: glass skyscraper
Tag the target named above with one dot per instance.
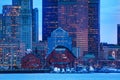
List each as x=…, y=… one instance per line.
x=26, y=21
x=0, y=26
x=49, y=17
x=11, y=23
x=35, y=27
x=78, y=17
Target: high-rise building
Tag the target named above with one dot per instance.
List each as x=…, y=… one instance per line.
x=11, y=23
x=78, y=17
x=49, y=17
x=26, y=21
x=35, y=27
x=71, y=15
x=94, y=27
x=0, y=26
x=118, y=34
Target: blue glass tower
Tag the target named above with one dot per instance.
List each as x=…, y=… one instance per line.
x=0, y=26
x=26, y=21
x=35, y=27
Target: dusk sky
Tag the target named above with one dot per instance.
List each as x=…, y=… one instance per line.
x=109, y=18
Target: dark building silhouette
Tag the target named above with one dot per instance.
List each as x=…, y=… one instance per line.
x=118, y=34
x=94, y=27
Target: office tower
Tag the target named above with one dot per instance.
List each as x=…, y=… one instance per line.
x=71, y=15
x=11, y=23
x=78, y=17
x=94, y=27
x=118, y=34
x=26, y=21
x=0, y=26
x=49, y=17
x=35, y=27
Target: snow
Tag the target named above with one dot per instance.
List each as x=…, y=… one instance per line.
x=58, y=76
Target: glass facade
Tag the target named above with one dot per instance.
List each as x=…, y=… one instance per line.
x=50, y=17
x=11, y=23
x=94, y=27
x=118, y=34
x=59, y=37
x=0, y=26
x=26, y=21
x=35, y=27
x=73, y=17
x=80, y=18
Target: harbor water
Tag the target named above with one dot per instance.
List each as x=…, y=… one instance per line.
x=60, y=76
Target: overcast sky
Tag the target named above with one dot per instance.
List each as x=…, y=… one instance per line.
x=109, y=18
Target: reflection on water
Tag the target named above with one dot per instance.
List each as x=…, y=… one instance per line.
x=47, y=76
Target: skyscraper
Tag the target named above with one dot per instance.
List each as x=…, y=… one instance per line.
x=93, y=27
x=49, y=17
x=26, y=21
x=72, y=16
x=0, y=26
x=78, y=17
x=35, y=27
x=118, y=34
x=11, y=23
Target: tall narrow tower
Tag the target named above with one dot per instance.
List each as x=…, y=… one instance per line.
x=26, y=21
x=93, y=27
x=118, y=34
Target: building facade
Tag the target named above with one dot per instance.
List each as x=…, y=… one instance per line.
x=80, y=18
x=118, y=34
x=49, y=17
x=59, y=37
x=35, y=27
x=11, y=23
x=25, y=21
x=11, y=55
x=0, y=26
x=94, y=27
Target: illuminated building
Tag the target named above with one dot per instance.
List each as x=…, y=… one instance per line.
x=35, y=27
x=118, y=34
x=0, y=26
x=11, y=23
x=50, y=17
x=26, y=21
x=11, y=54
x=94, y=27
x=71, y=15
